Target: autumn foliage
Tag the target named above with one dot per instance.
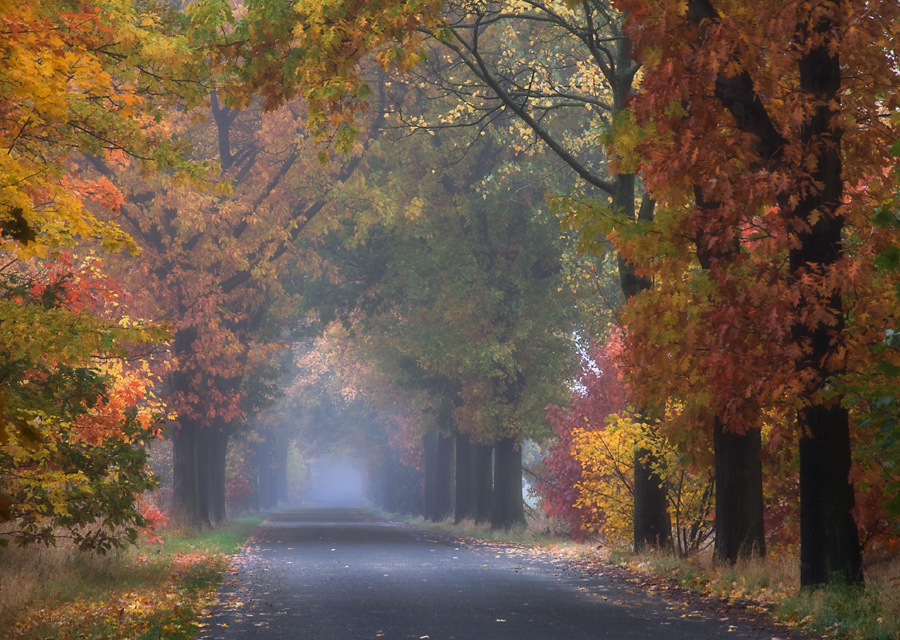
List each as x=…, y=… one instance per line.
x=74, y=416
x=599, y=394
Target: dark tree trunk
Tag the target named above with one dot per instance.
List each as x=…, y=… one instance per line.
x=281, y=469
x=508, y=508
x=444, y=486
x=829, y=542
x=652, y=527
x=185, y=485
x=740, y=532
x=429, y=458
x=190, y=487
x=202, y=457
x=465, y=480
x=218, y=452
x=483, y=481
x=651, y=516
x=265, y=474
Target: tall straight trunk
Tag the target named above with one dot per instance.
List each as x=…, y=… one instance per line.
x=483, y=481
x=444, y=486
x=429, y=458
x=465, y=480
x=189, y=482
x=191, y=475
x=281, y=469
x=652, y=527
x=829, y=542
x=509, y=506
x=253, y=472
x=218, y=452
x=265, y=474
x=740, y=531
x=185, y=481
x=650, y=511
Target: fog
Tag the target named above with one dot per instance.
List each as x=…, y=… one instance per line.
x=335, y=482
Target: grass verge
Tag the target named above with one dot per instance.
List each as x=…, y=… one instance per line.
x=534, y=533
x=151, y=591
x=865, y=612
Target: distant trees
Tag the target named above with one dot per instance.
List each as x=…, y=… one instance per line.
x=472, y=311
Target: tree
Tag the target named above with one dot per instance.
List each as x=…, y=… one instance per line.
x=210, y=264
x=599, y=393
x=73, y=414
x=467, y=305
x=80, y=77
x=790, y=158
x=578, y=62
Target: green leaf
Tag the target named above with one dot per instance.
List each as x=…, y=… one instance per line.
x=888, y=260
x=884, y=217
x=888, y=369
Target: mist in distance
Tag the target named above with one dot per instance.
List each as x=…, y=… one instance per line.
x=336, y=482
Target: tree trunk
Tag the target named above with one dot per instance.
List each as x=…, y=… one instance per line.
x=483, y=481
x=444, y=486
x=651, y=516
x=429, y=458
x=185, y=499
x=652, y=527
x=253, y=472
x=218, y=452
x=189, y=474
x=281, y=469
x=508, y=507
x=265, y=474
x=739, y=498
x=829, y=542
x=465, y=480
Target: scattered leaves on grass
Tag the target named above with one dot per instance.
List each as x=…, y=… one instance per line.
x=170, y=609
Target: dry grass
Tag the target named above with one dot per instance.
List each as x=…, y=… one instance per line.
x=537, y=530
x=870, y=612
x=147, y=591
x=35, y=577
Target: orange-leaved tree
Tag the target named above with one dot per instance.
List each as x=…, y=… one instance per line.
x=80, y=77
x=74, y=413
x=768, y=123
x=211, y=264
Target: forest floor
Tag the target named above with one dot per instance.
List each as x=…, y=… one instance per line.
x=752, y=592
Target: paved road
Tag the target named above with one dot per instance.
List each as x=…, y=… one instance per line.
x=311, y=574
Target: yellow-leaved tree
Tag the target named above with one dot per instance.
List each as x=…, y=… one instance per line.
x=606, y=489
x=80, y=78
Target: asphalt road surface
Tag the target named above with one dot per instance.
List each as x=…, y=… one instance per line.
x=315, y=573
